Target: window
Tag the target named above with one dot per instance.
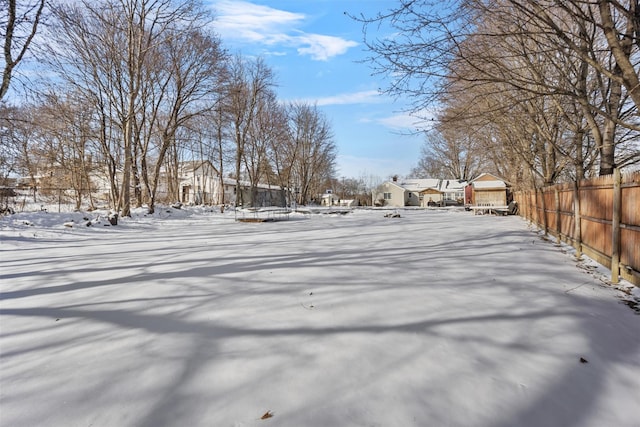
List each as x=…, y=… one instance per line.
x=387, y=196
x=454, y=196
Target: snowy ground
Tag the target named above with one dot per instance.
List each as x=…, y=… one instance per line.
x=189, y=318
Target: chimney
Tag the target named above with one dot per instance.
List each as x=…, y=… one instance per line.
x=395, y=178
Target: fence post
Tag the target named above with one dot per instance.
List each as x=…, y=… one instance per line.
x=545, y=218
x=534, y=205
x=558, y=219
x=615, y=225
x=577, y=219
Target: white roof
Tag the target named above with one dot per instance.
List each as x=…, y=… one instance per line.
x=442, y=185
x=231, y=181
x=452, y=185
x=486, y=185
x=419, y=184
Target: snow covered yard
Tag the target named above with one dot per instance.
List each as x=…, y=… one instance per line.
x=436, y=318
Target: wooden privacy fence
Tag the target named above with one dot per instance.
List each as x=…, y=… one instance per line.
x=600, y=217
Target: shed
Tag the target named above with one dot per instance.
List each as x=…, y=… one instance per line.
x=488, y=190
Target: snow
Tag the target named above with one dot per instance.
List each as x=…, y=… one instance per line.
x=487, y=185
x=189, y=318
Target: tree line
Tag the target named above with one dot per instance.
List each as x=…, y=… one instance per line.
x=538, y=91
x=130, y=89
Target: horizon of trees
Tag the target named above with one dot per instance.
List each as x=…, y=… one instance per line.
x=538, y=92
x=132, y=88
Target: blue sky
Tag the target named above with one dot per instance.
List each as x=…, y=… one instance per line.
x=314, y=49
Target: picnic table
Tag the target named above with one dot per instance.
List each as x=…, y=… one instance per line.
x=489, y=209
x=510, y=209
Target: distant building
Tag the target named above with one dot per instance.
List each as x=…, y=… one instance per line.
x=487, y=190
x=419, y=192
x=331, y=199
x=200, y=183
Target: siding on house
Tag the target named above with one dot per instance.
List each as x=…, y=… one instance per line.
x=416, y=192
x=390, y=194
x=265, y=195
x=199, y=183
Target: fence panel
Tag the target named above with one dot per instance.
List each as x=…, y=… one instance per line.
x=630, y=219
x=554, y=208
x=567, y=221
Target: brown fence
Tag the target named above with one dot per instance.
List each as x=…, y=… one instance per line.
x=600, y=217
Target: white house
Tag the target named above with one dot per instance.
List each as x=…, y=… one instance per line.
x=200, y=183
x=419, y=192
x=331, y=199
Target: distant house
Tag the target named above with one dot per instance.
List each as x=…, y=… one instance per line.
x=199, y=183
x=264, y=194
x=452, y=191
x=332, y=199
x=419, y=192
x=486, y=190
x=390, y=193
x=329, y=199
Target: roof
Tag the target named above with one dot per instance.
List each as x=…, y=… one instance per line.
x=189, y=167
x=247, y=184
x=442, y=185
x=487, y=177
x=489, y=185
x=419, y=184
x=452, y=185
x=430, y=191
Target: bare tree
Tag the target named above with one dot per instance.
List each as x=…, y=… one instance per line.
x=20, y=147
x=313, y=151
x=149, y=68
x=9, y=152
x=265, y=135
x=566, y=38
x=250, y=81
x=278, y=149
x=570, y=53
x=451, y=153
x=221, y=139
x=617, y=21
x=18, y=26
x=188, y=88
x=65, y=124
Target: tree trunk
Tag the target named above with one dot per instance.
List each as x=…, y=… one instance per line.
x=607, y=151
x=621, y=47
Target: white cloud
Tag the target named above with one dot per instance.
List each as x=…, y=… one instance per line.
x=400, y=121
x=251, y=23
x=362, y=97
x=321, y=47
x=412, y=122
